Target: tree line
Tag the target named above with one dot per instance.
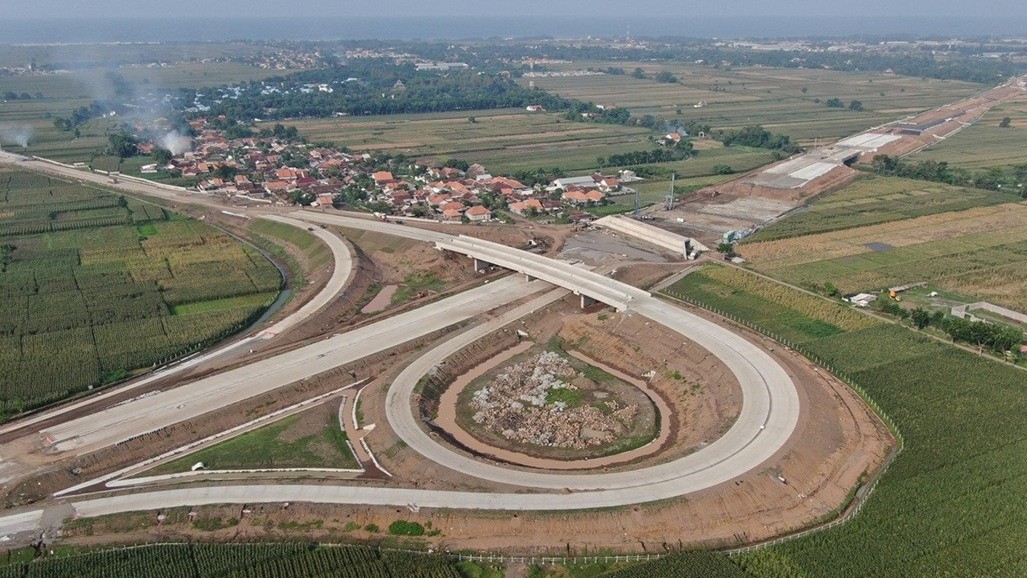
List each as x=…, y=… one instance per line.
x=993, y=336
x=657, y=155
x=993, y=178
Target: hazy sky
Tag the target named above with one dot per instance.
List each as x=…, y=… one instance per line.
x=563, y=8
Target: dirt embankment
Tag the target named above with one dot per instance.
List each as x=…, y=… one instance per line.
x=837, y=443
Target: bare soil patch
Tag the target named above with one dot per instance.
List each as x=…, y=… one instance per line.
x=381, y=300
x=837, y=444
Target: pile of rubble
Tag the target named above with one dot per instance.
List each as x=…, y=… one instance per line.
x=516, y=405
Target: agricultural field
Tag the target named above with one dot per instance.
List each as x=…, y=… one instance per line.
x=979, y=252
x=784, y=312
x=875, y=199
x=237, y=560
x=684, y=565
x=503, y=140
x=311, y=439
x=985, y=144
x=96, y=286
x=782, y=100
x=506, y=141
x=950, y=502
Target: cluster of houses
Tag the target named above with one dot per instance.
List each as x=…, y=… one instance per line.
x=452, y=194
x=272, y=170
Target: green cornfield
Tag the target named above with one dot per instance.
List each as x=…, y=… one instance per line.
x=94, y=286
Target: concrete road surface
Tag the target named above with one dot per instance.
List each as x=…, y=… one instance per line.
x=343, y=260
x=336, y=283
x=768, y=417
x=770, y=411
x=151, y=413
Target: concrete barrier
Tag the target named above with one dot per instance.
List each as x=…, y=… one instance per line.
x=679, y=244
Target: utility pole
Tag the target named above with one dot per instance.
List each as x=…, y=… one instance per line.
x=670, y=197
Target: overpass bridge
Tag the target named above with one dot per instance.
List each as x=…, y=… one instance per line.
x=589, y=285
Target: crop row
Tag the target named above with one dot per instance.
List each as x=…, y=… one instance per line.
x=40, y=368
x=238, y=561
x=951, y=502
x=82, y=307
x=785, y=312
x=36, y=226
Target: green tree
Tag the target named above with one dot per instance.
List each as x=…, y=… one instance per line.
x=121, y=145
x=666, y=77
x=458, y=164
x=856, y=106
x=638, y=73
x=727, y=249
x=161, y=156
x=835, y=103
x=921, y=318
x=1005, y=122
x=226, y=172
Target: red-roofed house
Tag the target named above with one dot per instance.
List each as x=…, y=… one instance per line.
x=574, y=196
x=276, y=186
x=436, y=199
x=477, y=214
x=382, y=177
x=450, y=173
x=523, y=207
x=609, y=184
x=453, y=205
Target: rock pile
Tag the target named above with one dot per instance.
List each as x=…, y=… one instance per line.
x=521, y=406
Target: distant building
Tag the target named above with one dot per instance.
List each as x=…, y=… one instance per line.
x=523, y=207
x=382, y=177
x=478, y=213
x=567, y=182
x=862, y=299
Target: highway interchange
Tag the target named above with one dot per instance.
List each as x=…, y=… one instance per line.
x=769, y=414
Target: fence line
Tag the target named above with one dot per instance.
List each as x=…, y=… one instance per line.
x=859, y=500
x=863, y=494
x=457, y=556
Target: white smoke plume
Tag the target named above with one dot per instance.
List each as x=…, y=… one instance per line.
x=176, y=143
x=16, y=134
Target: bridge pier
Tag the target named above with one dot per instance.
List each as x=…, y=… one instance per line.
x=586, y=301
x=529, y=278
x=480, y=265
